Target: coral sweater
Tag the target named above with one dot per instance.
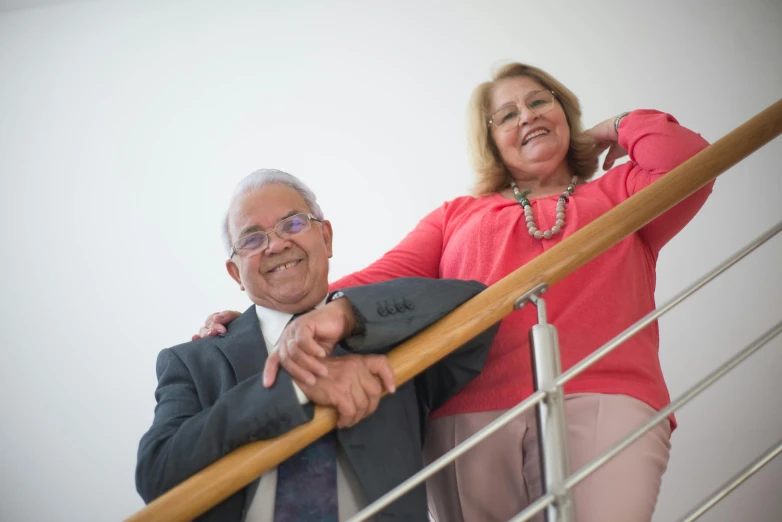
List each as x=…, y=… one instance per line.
x=486, y=238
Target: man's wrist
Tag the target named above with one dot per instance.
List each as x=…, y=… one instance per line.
x=355, y=324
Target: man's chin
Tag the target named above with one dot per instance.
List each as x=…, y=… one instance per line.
x=291, y=300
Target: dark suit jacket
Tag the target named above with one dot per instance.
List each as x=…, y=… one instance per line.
x=211, y=399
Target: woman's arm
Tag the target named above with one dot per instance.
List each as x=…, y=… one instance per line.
x=417, y=255
x=656, y=144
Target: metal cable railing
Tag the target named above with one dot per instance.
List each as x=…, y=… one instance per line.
x=236, y=470
x=660, y=416
x=733, y=483
x=538, y=396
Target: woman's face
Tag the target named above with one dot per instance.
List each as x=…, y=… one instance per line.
x=523, y=152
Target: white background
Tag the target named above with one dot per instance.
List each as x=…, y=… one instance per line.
x=125, y=125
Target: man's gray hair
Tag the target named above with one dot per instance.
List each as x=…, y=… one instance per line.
x=259, y=179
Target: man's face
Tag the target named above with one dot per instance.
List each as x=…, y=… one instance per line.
x=290, y=275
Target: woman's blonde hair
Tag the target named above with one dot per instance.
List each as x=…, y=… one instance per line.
x=491, y=172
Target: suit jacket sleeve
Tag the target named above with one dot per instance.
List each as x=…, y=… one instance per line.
x=186, y=436
x=398, y=309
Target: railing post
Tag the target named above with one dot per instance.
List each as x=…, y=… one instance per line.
x=552, y=430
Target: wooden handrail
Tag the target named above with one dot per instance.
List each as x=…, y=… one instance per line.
x=228, y=475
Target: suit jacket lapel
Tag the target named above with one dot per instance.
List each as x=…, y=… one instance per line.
x=245, y=349
x=244, y=346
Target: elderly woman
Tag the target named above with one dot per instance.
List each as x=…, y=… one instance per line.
x=533, y=161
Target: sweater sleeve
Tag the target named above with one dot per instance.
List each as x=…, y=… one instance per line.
x=656, y=144
x=417, y=255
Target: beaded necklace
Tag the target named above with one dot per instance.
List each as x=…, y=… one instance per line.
x=532, y=227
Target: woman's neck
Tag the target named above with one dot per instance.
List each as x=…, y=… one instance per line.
x=543, y=186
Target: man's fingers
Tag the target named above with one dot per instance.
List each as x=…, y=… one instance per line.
x=298, y=373
x=301, y=354
x=271, y=369
x=306, y=341
x=386, y=375
x=309, y=363
x=374, y=402
x=380, y=366
x=347, y=410
x=374, y=391
x=361, y=400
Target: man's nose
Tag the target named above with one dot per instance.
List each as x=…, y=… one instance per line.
x=276, y=243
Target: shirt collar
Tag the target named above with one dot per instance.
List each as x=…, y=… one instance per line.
x=273, y=322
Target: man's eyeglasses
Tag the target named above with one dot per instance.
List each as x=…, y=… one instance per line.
x=539, y=102
x=255, y=242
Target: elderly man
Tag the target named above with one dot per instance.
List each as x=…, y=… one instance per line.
x=210, y=394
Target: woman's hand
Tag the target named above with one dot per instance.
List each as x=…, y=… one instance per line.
x=215, y=324
x=606, y=137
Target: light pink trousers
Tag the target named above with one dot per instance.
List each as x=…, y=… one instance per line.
x=501, y=476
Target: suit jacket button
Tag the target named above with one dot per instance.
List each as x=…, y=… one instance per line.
x=399, y=307
x=409, y=305
x=391, y=309
x=382, y=311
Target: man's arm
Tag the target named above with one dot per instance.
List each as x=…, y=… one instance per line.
x=388, y=313
x=418, y=303
x=394, y=311
x=185, y=437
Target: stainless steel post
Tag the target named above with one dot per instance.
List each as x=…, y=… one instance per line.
x=552, y=430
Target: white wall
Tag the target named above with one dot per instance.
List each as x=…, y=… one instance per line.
x=125, y=125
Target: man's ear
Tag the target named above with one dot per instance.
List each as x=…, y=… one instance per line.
x=233, y=271
x=328, y=234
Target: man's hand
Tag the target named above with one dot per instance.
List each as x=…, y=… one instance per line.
x=215, y=324
x=307, y=340
x=353, y=386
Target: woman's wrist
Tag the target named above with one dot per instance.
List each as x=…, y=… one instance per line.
x=617, y=120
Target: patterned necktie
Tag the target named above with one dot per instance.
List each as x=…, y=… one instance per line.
x=307, y=483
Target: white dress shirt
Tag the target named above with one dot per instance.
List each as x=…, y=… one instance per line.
x=350, y=496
